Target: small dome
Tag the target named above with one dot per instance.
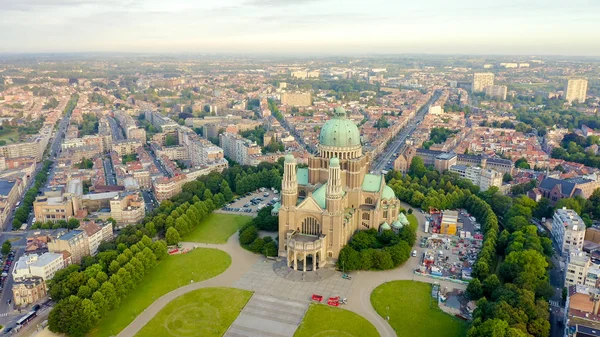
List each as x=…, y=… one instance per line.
x=289, y=158
x=402, y=218
x=397, y=225
x=388, y=193
x=334, y=162
x=339, y=131
x=385, y=226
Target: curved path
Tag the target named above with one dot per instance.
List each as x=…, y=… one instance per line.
x=241, y=260
x=359, y=296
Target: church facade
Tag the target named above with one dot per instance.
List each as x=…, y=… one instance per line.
x=323, y=205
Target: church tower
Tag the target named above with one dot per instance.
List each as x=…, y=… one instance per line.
x=289, y=184
x=334, y=187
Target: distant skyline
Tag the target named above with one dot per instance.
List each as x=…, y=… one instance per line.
x=540, y=27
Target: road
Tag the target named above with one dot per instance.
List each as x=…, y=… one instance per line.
x=158, y=164
x=116, y=131
x=109, y=171
x=149, y=200
x=398, y=145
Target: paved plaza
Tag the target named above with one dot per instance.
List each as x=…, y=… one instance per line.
x=262, y=279
x=268, y=316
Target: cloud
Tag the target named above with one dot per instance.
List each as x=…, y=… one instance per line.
x=43, y=5
x=277, y=3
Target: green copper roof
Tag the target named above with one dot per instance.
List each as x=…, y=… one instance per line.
x=397, y=224
x=276, y=208
x=339, y=131
x=289, y=158
x=319, y=196
x=385, y=226
x=371, y=183
x=388, y=193
x=334, y=162
x=302, y=175
x=402, y=218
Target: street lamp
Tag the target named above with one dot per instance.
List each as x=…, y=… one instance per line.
x=388, y=313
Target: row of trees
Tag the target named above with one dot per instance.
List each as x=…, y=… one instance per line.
x=513, y=302
x=72, y=223
x=22, y=213
x=249, y=239
x=85, y=294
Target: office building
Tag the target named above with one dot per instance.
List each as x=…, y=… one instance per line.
x=576, y=90
x=54, y=205
x=568, y=230
x=481, y=81
x=75, y=242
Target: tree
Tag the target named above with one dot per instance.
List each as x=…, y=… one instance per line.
x=270, y=249
x=170, y=140
x=417, y=167
x=522, y=163
x=172, y=236
x=6, y=246
x=248, y=235
x=507, y=177
x=474, y=289
x=72, y=223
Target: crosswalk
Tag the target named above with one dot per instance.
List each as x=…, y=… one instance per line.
x=4, y=314
x=554, y=303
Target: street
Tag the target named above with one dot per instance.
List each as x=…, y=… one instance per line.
x=109, y=171
x=397, y=146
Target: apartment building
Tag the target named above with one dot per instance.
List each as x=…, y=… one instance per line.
x=576, y=90
x=128, y=208
x=97, y=233
x=496, y=91
x=577, y=269
x=568, y=230
x=10, y=192
x=163, y=123
x=34, y=265
x=582, y=306
x=238, y=148
x=127, y=146
x=484, y=178
x=74, y=242
x=481, y=81
x=298, y=99
x=32, y=148
x=28, y=291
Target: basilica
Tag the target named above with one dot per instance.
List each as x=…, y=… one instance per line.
x=323, y=205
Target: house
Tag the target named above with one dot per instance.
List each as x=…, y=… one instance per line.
x=28, y=291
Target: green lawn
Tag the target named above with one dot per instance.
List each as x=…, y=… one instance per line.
x=173, y=272
x=205, y=312
x=10, y=137
x=325, y=321
x=414, y=223
x=413, y=312
x=216, y=228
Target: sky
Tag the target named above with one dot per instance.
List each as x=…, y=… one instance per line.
x=332, y=27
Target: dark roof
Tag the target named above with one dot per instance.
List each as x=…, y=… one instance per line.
x=499, y=161
x=429, y=152
x=578, y=180
x=468, y=156
x=6, y=186
x=567, y=187
x=70, y=235
x=584, y=331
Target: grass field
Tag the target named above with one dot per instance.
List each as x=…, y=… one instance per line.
x=325, y=321
x=217, y=228
x=205, y=312
x=10, y=137
x=173, y=272
x=413, y=312
x=414, y=223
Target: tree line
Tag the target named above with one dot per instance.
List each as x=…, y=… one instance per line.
x=248, y=234
x=22, y=213
x=85, y=294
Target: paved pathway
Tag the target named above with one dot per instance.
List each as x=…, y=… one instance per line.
x=253, y=272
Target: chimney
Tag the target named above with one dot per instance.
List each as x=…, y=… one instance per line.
x=596, y=300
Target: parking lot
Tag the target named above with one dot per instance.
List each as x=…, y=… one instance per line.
x=7, y=262
x=252, y=202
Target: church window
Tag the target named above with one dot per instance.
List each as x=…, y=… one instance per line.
x=385, y=214
x=366, y=216
x=369, y=201
x=366, y=225
x=330, y=254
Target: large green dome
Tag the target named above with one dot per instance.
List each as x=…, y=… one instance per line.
x=339, y=131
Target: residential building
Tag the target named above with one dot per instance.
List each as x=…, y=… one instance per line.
x=496, y=91
x=299, y=99
x=238, y=148
x=582, y=306
x=127, y=146
x=592, y=278
x=97, y=233
x=28, y=291
x=128, y=208
x=484, y=178
x=481, y=81
x=577, y=269
x=34, y=265
x=75, y=242
x=449, y=223
x=576, y=90
x=435, y=110
x=568, y=230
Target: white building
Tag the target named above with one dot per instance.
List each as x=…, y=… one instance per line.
x=482, y=80
x=576, y=90
x=97, y=233
x=577, y=269
x=44, y=266
x=568, y=230
x=435, y=110
x=484, y=178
